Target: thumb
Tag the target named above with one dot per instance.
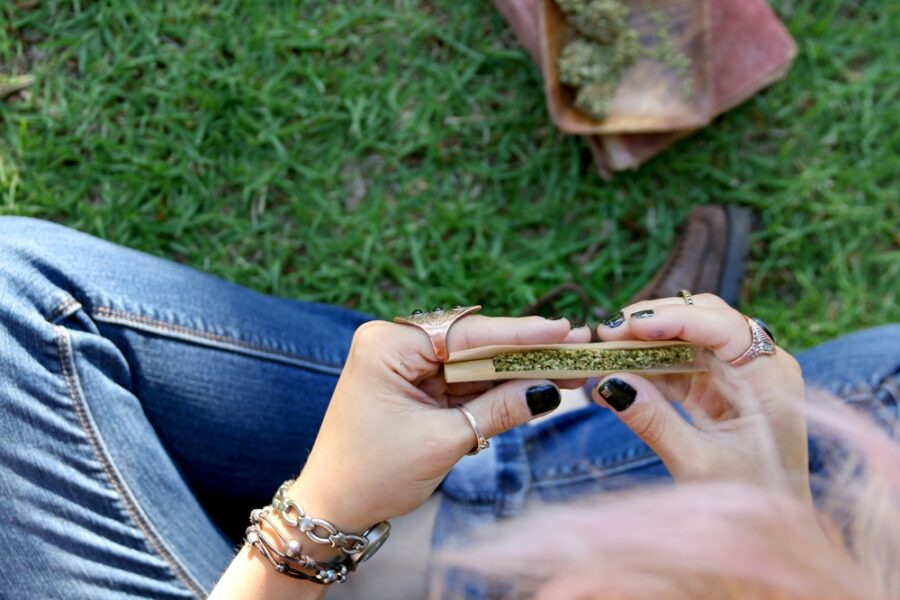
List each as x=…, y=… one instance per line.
x=642, y=408
x=513, y=403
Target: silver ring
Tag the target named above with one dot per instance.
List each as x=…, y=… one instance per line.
x=482, y=443
x=688, y=297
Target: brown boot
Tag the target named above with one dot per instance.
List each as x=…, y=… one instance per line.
x=708, y=255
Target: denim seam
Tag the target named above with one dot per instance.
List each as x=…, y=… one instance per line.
x=63, y=342
x=110, y=315
x=62, y=309
x=574, y=478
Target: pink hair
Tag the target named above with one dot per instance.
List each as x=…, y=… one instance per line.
x=727, y=540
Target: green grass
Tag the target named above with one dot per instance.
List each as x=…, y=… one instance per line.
x=388, y=155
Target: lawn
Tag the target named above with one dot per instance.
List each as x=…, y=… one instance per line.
x=393, y=155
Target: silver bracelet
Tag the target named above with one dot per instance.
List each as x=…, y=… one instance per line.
x=290, y=561
x=292, y=513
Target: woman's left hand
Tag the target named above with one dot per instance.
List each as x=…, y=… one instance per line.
x=746, y=422
x=391, y=432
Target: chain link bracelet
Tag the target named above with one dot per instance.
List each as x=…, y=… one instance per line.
x=318, y=531
x=291, y=562
x=286, y=554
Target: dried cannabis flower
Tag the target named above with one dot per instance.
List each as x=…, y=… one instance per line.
x=572, y=6
x=594, y=99
x=603, y=21
x=582, y=63
x=595, y=62
x=668, y=54
x=636, y=359
x=629, y=48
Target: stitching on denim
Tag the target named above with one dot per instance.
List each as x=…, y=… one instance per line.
x=105, y=311
x=598, y=474
x=593, y=467
x=62, y=308
x=70, y=377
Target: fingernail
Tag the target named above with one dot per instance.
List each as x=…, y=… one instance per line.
x=613, y=321
x=542, y=398
x=617, y=393
x=642, y=314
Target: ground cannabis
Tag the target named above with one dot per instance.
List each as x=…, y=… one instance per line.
x=635, y=359
x=594, y=62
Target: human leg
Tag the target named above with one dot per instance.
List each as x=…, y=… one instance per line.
x=131, y=386
x=863, y=370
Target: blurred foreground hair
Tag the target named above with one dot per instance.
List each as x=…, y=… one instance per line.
x=717, y=540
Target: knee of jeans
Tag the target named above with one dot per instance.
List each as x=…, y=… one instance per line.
x=857, y=361
x=26, y=233
x=29, y=281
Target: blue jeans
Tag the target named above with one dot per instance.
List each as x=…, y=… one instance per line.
x=145, y=408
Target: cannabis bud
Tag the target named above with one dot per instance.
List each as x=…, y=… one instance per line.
x=594, y=99
x=603, y=21
x=595, y=62
x=572, y=6
x=583, y=62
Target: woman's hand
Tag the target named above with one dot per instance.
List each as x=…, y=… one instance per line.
x=391, y=432
x=748, y=421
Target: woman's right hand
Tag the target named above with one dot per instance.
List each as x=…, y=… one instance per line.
x=747, y=421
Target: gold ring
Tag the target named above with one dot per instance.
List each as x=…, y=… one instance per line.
x=481, y=442
x=762, y=343
x=436, y=325
x=688, y=297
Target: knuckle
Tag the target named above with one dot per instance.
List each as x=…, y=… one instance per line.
x=408, y=368
x=791, y=362
x=461, y=336
x=502, y=416
x=649, y=424
x=372, y=332
x=710, y=300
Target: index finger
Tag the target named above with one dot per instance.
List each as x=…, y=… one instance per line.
x=473, y=331
x=477, y=330
x=611, y=330
x=724, y=331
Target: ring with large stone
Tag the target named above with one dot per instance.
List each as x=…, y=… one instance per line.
x=762, y=344
x=436, y=324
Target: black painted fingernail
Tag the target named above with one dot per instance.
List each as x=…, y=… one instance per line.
x=642, y=314
x=617, y=393
x=613, y=321
x=542, y=398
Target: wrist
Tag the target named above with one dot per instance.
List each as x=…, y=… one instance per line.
x=344, y=533
x=342, y=509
